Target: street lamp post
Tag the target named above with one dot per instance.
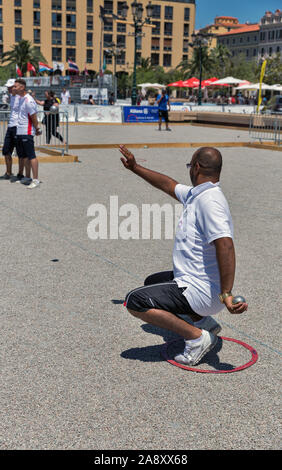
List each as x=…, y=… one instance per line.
x=103, y=18
x=200, y=41
x=114, y=52
x=137, y=14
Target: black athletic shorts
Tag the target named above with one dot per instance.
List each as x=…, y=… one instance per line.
x=160, y=291
x=25, y=146
x=9, y=141
x=163, y=114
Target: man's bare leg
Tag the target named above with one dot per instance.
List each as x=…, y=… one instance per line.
x=8, y=161
x=27, y=167
x=34, y=167
x=22, y=162
x=169, y=321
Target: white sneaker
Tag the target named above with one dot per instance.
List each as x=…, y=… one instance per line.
x=208, y=324
x=194, y=351
x=33, y=184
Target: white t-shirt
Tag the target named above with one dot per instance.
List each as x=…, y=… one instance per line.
x=65, y=97
x=14, y=113
x=205, y=218
x=27, y=107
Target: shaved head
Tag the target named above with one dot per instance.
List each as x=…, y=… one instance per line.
x=209, y=159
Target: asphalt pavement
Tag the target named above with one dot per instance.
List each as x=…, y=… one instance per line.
x=77, y=371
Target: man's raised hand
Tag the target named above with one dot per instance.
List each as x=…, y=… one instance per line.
x=129, y=161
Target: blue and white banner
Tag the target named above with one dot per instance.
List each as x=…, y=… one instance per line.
x=140, y=113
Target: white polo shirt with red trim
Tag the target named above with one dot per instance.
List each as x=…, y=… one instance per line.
x=205, y=218
x=27, y=107
x=14, y=106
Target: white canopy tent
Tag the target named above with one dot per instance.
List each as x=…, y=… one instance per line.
x=145, y=87
x=151, y=85
x=276, y=87
x=254, y=86
x=228, y=81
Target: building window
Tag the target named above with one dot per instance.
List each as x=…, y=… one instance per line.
x=168, y=29
x=108, y=58
x=108, y=6
x=36, y=36
x=169, y=13
x=89, y=22
x=71, y=21
x=1, y=16
x=119, y=8
x=155, y=44
x=186, y=14
x=57, y=54
x=17, y=3
x=70, y=54
x=167, y=44
x=121, y=40
x=121, y=58
x=18, y=16
x=71, y=38
x=121, y=27
x=270, y=51
x=89, y=6
x=185, y=58
x=155, y=59
x=18, y=34
x=71, y=5
x=167, y=60
x=186, y=30
x=36, y=3
x=56, y=4
x=1, y=33
x=89, y=56
x=157, y=28
x=108, y=24
x=185, y=45
x=89, y=39
x=56, y=20
x=108, y=39
x=56, y=37
x=156, y=11
x=36, y=18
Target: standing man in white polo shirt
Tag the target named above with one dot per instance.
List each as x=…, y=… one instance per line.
x=203, y=259
x=27, y=127
x=10, y=137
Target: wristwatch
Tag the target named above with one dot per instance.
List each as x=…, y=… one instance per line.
x=224, y=295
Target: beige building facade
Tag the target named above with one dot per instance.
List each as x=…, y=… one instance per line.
x=221, y=25
x=72, y=30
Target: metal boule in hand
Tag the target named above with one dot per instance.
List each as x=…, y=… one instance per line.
x=238, y=298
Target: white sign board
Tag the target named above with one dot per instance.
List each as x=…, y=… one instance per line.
x=90, y=113
x=85, y=92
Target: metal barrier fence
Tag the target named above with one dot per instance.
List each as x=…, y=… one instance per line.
x=54, y=126
x=263, y=127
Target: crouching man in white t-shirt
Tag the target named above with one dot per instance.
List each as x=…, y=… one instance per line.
x=203, y=259
x=26, y=129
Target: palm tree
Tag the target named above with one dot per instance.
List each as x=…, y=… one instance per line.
x=200, y=55
x=22, y=53
x=221, y=57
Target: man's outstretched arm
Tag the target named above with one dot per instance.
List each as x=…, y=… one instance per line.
x=158, y=180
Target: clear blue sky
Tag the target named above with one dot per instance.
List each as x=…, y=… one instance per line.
x=244, y=10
